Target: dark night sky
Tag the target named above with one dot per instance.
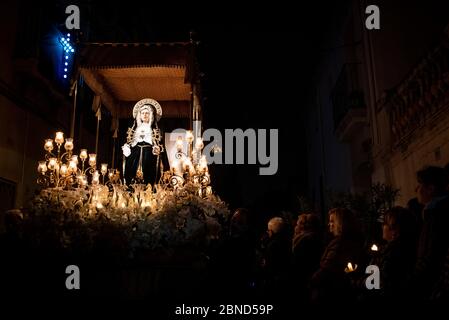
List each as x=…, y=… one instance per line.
x=258, y=63
x=253, y=81
x=257, y=76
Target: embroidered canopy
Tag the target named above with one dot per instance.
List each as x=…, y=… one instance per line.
x=121, y=74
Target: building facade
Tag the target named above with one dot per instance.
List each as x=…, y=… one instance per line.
x=380, y=103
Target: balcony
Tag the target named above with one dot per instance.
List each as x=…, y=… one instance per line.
x=421, y=98
x=353, y=121
x=348, y=100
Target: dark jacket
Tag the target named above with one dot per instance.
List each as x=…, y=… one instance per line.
x=441, y=290
x=330, y=282
x=277, y=254
x=277, y=259
x=432, y=246
x=396, y=264
x=307, y=250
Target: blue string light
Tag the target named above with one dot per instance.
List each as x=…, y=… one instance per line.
x=68, y=49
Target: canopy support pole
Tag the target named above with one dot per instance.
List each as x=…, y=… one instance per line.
x=72, y=125
x=98, y=129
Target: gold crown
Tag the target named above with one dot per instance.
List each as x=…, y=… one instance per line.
x=143, y=104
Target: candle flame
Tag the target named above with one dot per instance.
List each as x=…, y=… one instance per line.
x=350, y=268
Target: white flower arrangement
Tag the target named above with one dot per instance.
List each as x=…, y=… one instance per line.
x=170, y=218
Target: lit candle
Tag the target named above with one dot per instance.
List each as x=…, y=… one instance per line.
x=48, y=146
x=189, y=136
x=374, y=248
x=350, y=268
x=59, y=139
x=72, y=166
x=52, y=163
x=68, y=144
x=203, y=164
x=42, y=168
x=75, y=158
x=177, y=167
x=92, y=159
x=199, y=143
x=187, y=162
x=104, y=168
x=188, y=165
x=63, y=170
x=95, y=178
x=179, y=144
x=83, y=154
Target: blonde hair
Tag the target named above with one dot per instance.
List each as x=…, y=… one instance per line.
x=276, y=224
x=346, y=221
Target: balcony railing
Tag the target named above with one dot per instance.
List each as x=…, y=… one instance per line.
x=422, y=96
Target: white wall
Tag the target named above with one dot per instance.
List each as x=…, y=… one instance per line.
x=420, y=153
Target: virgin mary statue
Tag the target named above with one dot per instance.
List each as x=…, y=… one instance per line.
x=144, y=154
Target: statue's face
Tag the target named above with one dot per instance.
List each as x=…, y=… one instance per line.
x=146, y=116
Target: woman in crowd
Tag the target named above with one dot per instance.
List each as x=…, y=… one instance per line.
x=397, y=259
x=330, y=282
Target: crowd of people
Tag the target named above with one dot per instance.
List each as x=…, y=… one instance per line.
x=319, y=266
x=308, y=258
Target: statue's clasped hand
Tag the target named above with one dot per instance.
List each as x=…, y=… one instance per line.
x=156, y=150
x=126, y=150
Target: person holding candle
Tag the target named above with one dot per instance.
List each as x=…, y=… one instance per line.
x=144, y=152
x=330, y=283
x=397, y=259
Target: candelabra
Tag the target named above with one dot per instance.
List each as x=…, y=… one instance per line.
x=190, y=166
x=64, y=170
x=55, y=170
